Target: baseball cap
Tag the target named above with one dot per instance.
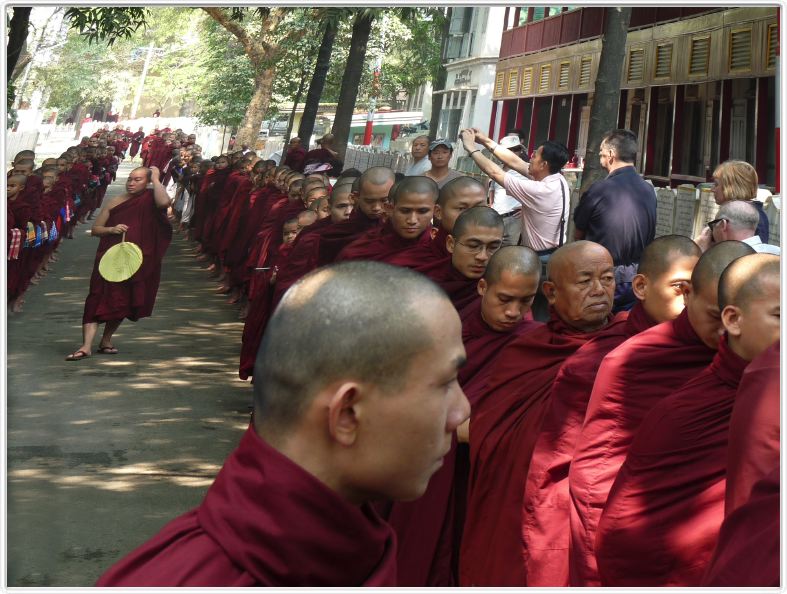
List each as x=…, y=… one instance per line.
x=440, y=142
x=510, y=141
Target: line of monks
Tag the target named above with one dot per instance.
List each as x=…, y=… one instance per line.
x=631, y=449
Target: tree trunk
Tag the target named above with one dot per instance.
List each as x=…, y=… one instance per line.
x=439, y=81
x=295, y=101
x=17, y=35
x=348, y=93
x=606, y=94
x=255, y=112
x=306, y=128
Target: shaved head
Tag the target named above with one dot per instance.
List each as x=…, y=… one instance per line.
x=515, y=260
x=659, y=254
x=564, y=257
x=713, y=262
x=744, y=279
x=478, y=216
x=306, y=218
x=459, y=187
x=17, y=178
x=376, y=176
x=338, y=314
x=340, y=192
x=147, y=171
x=26, y=154
x=415, y=184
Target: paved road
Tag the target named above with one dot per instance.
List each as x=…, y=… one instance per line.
x=103, y=452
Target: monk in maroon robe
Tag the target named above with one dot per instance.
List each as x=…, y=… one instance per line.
x=663, y=514
x=428, y=529
x=632, y=379
x=476, y=235
x=140, y=215
x=295, y=158
x=510, y=405
x=754, y=428
x=664, y=268
x=136, y=141
x=410, y=210
x=747, y=551
x=360, y=419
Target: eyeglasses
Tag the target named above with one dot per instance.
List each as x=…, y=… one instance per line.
x=477, y=248
x=714, y=222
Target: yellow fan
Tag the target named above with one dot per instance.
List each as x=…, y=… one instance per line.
x=120, y=262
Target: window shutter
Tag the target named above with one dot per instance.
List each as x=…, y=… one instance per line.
x=584, y=71
x=773, y=45
x=513, y=81
x=543, y=79
x=700, y=56
x=740, y=49
x=527, y=81
x=663, y=61
x=499, y=84
x=562, y=81
x=636, y=65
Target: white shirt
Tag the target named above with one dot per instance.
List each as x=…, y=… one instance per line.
x=762, y=248
x=419, y=167
x=541, y=208
x=504, y=203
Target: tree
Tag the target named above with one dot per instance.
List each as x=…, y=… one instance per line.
x=606, y=94
x=107, y=24
x=17, y=37
x=440, y=77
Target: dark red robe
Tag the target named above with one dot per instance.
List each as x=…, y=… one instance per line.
x=504, y=424
x=259, y=204
x=747, y=551
x=236, y=214
x=632, y=379
x=383, y=244
x=136, y=140
x=149, y=228
x=206, y=201
x=545, y=515
x=754, y=428
x=461, y=290
x=295, y=159
x=265, y=521
x=665, y=509
x=213, y=238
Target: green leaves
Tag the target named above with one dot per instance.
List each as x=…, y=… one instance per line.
x=107, y=24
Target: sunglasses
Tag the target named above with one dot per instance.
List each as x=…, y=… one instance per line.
x=714, y=222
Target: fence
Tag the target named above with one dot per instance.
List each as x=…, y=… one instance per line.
x=20, y=141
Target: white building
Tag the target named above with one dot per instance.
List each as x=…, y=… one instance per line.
x=470, y=58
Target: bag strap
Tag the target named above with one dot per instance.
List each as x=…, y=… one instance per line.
x=562, y=212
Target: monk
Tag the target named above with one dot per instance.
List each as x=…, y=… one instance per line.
x=664, y=511
x=476, y=235
x=754, y=428
x=359, y=419
x=140, y=215
x=664, y=270
x=509, y=406
x=428, y=529
x=322, y=207
x=630, y=381
x=747, y=551
x=19, y=212
x=341, y=203
x=296, y=155
x=455, y=197
x=410, y=209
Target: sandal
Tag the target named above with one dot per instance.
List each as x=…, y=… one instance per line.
x=78, y=355
x=107, y=350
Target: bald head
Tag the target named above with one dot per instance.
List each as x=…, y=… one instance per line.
x=340, y=192
x=509, y=287
x=478, y=216
x=415, y=184
x=148, y=173
x=745, y=278
x=515, y=260
x=306, y=218
x=337, y=315
x=658, y=255
x=376, y=176
x=706, y=274
x=461, y=187
x=26, y=154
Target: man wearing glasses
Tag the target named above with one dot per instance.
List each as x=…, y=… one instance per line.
x=736, y=220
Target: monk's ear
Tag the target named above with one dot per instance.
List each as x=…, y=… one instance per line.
x=550, y=291
x=482, y=287
x=731, y=317
x=639, y=285
x=450, y=243
x=388, y=207
x=438, y=212
x=343, y=413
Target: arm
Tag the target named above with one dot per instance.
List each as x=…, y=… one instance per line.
x=508, y=158
x=99, y=229
x=160, y=195
x=486, y=165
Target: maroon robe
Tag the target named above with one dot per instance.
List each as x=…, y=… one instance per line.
x=432, y=256
x=136, y=140
x=133, y=299
x=747, y=551
x=754, y=428
x=545, y=516
x=504, y=424
x=461, y=290
x=211, y=235
x=665, y=509
x=238, y=211
x=383, y=244
x=632, y=379
x=206, y=202
x=259, y=204
x=295, y=159
x=251, y=530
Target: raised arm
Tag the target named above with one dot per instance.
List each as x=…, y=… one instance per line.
x=508, y=158
x=159, y=192
x=486, y=165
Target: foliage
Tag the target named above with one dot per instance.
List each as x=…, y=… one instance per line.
x=107, y=24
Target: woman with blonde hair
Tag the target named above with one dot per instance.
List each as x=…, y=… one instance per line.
x=737, y=180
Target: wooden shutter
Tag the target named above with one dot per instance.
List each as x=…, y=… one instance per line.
x=663, y=67
x=562, y=79
x=699, y=56
x=499, y=79
x=527, y=80
x=636, y=67
x=773, y=45
x=543, y=78
x=740, y=49
x=513, y=81
x=584, y=70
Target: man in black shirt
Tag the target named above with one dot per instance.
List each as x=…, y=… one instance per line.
x=619, y=212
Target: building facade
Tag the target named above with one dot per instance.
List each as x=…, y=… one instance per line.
x=698, y=84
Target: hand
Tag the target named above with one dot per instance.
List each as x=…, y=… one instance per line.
x=154, y=173
x=468, y=139
x=119, y=229
x=704, y=239
x=480, y=137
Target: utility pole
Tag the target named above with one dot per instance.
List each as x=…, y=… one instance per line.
x=141, y=86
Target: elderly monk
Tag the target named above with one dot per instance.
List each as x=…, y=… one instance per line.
x=630, y=381
x=664, y=511
x=410, y=209
x=361, y=418
x=747, y=551
x=140, y=216
x=664, y=270
x=509, y=406
x=754, y=428
x=428, y=529
x=476, y=235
